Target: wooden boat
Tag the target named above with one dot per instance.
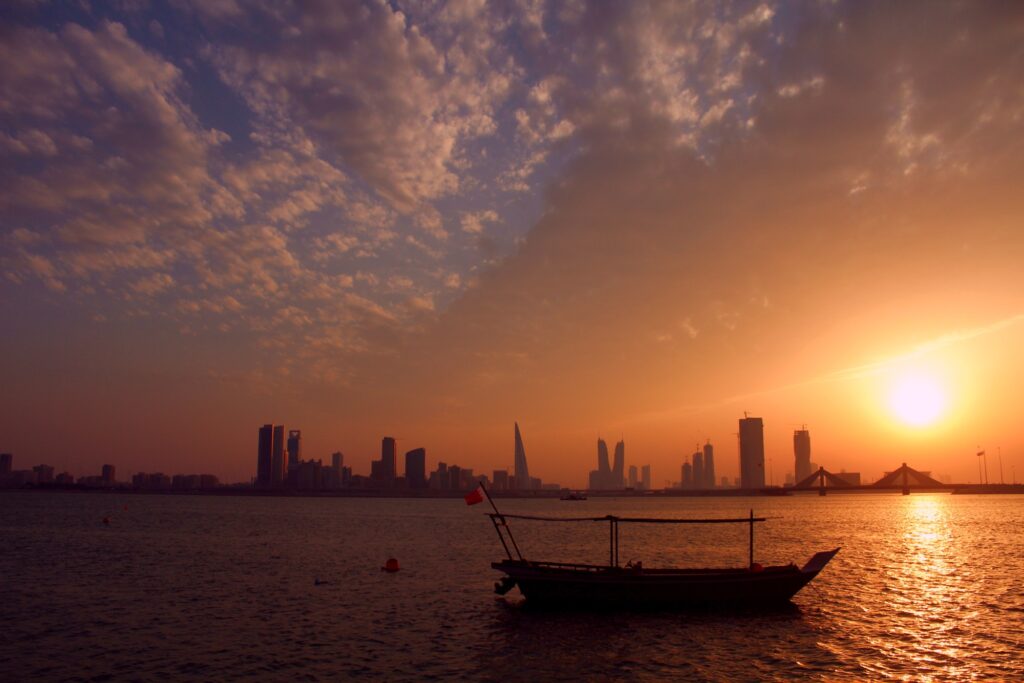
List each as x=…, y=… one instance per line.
x=633, y=585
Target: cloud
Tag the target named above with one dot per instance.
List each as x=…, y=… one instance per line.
x=473, y=222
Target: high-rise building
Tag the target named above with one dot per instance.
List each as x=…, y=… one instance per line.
x=646, y=478
x=6, y=463
x=108, y=475
x=278, y=458
x=802, y=454
x=500, y=480
x=619, y=464
x=416, y=468
x=698, y=470
x=709, y=466
x=632, y=476
x=687, y=476
x=264, y=455
x=337, y=460
x=751, y=453
x=522, y=476
x=388, y=458
x=294, y=448
x=604, y=470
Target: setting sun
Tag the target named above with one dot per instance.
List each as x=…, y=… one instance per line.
x=917, y=400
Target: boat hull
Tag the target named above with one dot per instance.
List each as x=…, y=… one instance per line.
x=553, y=584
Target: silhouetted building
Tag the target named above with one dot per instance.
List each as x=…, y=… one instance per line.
x=619, y=465
x=308, y=475
x=294, y=448
x=687, y=476
x=802, y=454
x=43, y=474
x=645, y=482
x=264, y=456
x=157, y=481
x=609, y=477
x=632, y=476
x=709, y=466
x=751, y=453
x=6, y=463
x=455, y=476
x=108, y=475
x=500, y=480
x=337, y=460
x=522, y=475
x=604, y=469
x=388, y=458
x=416, y=468
x=698, y=470
x=64, y=479
x=278, y=458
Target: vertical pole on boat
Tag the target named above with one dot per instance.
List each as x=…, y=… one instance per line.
x=611, y=541
x=616, y=543
x=751, y=537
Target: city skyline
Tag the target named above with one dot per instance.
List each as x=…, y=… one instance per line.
x=639, y=219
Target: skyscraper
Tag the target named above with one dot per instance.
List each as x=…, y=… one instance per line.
x=646, y=478
x=604, y=470
x=278, y=458
x=337, y=460
x=698, y=470
x=618, y=481
x=388, y=458
x=751, y=453
x=108, y=475
x=294, y=448
x=632, y=476
x=6, y=463
x=709, y=466
x=802, y=454
x=264, y=455
x=416, y=468
x=522, y=471
x=687, y=476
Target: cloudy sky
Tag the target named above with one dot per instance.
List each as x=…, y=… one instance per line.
x=430, y=219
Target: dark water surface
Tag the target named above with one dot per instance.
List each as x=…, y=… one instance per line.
x=927, y=587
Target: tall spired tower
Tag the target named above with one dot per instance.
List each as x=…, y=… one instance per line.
x=522, y=471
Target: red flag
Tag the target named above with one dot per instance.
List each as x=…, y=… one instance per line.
x=980, y=453
x=475, y=496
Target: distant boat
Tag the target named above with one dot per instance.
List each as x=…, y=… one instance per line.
x=574, y=495
x=633, y=585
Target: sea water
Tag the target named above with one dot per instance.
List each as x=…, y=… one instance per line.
x=926, y=586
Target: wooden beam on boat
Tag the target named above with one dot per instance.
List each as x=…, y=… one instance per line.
x=639, y=520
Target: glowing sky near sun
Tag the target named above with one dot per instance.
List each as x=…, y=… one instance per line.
x=429, y=220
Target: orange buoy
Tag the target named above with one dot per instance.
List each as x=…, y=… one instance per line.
x=391, y=566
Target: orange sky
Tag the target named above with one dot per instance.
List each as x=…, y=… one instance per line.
x=632, y=222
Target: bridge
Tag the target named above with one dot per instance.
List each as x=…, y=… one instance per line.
x=904, y=478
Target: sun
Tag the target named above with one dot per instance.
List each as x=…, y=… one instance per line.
x=917, y=400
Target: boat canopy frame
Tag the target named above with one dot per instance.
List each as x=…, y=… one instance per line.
x=504, y=532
